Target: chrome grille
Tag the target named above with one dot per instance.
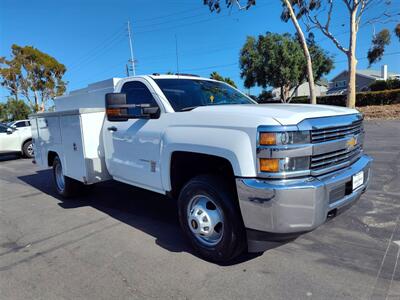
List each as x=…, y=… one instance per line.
x=335, y=158
x=337, y=132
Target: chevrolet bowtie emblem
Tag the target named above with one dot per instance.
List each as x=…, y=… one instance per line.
x=351, y=143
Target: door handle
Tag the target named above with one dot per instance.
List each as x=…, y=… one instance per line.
x=112, y=128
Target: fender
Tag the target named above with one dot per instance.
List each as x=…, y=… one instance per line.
x=232, y=144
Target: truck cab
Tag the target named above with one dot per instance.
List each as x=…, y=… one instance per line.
x=244, y=174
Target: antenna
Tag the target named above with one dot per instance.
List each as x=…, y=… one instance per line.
x=177, y=57
x=132, y=61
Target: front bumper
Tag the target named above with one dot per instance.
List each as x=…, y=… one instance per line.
x=298, y=205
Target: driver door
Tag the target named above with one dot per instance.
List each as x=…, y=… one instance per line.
x=133, y=146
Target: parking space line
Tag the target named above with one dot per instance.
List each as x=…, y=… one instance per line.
x=378, y=275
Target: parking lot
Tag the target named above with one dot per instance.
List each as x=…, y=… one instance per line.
x=119, y=242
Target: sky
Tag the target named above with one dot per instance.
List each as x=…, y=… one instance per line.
x=90, y=36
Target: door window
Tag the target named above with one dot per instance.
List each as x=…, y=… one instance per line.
x=137, y=93
x=3, y=128
x=21, y=124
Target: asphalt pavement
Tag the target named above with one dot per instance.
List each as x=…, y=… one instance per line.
x=120, y=242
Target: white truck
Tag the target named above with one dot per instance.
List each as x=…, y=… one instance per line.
x=244, y=175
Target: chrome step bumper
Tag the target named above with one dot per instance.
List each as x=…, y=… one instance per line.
x=298, y=205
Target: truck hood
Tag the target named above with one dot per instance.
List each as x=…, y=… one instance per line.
x=285, y=114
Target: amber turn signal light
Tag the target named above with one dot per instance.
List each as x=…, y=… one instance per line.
x=267, y=138
x=113, y=111
x=269, y=165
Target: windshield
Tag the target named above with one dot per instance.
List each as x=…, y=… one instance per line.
x=3, y=128
x=186, y=94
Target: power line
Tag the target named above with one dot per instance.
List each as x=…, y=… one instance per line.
x=92, y=55
x=101, y=51
x=216, y=17
x=366, y=57
x=169, y=15
x=171, y=21
x=99, y=45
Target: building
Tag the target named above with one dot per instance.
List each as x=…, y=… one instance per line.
x=303, y=90
x=364, y=78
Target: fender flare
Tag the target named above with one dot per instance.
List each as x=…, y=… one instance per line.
x=231, y=144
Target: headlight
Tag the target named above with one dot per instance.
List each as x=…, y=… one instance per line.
x=277, y=165
x=284, y=138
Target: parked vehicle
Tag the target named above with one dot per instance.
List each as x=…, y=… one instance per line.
x=19, y=124
x=16, y=139
x=243, y=174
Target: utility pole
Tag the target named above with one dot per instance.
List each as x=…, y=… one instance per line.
x=132, y=60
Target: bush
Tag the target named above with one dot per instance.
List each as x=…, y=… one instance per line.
x=381, y=85
x=378, y=98
x=362, y=99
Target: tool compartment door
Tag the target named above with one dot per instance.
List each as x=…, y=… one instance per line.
x=73, y=159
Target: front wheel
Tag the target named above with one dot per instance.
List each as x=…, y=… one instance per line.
x=65, y=186
x=210, y=217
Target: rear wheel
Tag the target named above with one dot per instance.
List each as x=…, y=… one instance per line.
x=65, y=186
x=209, y=216
x=27, y=149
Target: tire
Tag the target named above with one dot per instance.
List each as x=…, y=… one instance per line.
x=27, y=149
x=65, y=186
x=210, y=197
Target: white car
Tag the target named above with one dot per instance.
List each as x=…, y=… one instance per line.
x=16, y=138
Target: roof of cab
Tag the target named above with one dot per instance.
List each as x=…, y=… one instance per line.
x=176, y=76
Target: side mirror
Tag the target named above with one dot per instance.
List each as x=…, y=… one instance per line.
x=116, y=109
x=9, y=131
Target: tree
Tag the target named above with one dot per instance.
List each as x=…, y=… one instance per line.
x=318, y=14
x=264, y=96
x=278, y=61
x=3, y=112
x=379, y=43
x=397, y=31
x=10, y=75
x=35, y=75
x=14, y=109
x=287, y=13
x=217, y=76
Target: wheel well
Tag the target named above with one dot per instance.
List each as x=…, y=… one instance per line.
x=50, y=157
x=186, y=165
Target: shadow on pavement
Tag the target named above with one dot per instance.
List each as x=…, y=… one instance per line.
x=9, y=156
x=149, y=212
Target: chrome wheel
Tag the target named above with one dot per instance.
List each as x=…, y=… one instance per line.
x=29, y=150
x=58, y=172
x=205, y=220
